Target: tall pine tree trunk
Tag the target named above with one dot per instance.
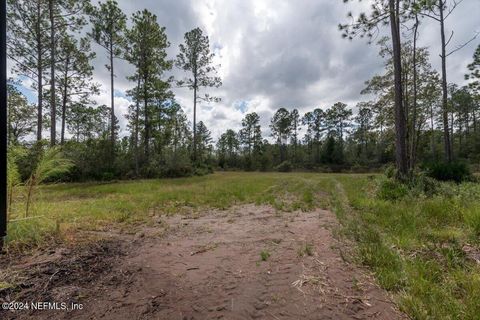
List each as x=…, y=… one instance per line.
x=195, y=119
x=414, y=140
x=446, y=132
x=147, y=121
x=137, y=118
x=39, y=74
x=474, y=121
x=400, y=126
x=65, y=99
x=53, y=102
x=451, y=134
x=112, y=102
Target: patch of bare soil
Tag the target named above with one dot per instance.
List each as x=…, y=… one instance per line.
x=207, y=267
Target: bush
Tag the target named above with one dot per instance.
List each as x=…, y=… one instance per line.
x=390, y=189
x=390, y=171
x=425, y=184
x=285, y=166
x=452, y=171
x=108, y=176
x=265, y=162
x=202, y=169
x=179, y=171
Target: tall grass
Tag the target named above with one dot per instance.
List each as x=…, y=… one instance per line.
x=67, y=208
x=416, y=244
x=421, y=247
x=13, y=175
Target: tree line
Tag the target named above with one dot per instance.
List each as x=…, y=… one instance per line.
x=404, y=18
x=413, y=115
x=49, y=42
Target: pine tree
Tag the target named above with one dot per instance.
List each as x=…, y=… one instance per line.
x=250, y=134
x=21, y=115
x=108, y=27
x=195, y=57
x=474, y=75
x=75, y=76
x=280, y=125
x=64, y=16
x=147, y=52
x=27, y=39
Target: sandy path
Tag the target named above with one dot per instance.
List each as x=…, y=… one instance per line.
x=209, y=267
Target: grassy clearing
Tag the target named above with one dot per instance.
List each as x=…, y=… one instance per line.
x=422, y=249
x=61, y=210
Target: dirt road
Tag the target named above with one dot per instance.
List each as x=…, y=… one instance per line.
x=248, y=262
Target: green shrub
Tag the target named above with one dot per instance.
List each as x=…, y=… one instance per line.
x=424, y=184
x=390, y=171
x=178, y=171
x=452, y=171
x=264, y=255
x=285, y=166
x=265, y=162
x=202, y=169
x=392, y=190
x=108, y=176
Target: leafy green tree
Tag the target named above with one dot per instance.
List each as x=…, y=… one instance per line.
x=338, y=119
x=195, y=57
x=228, y=145
x=462, y=107
x=27, y=39
x=251, y=134
x=420, y=96
x=21, y=116
x=363, y=131
x=108, y=27
x=88, y=122
x=179, y=132
x=179, y=141
x=147, y=52
x=295, y=128
x=204, y=141
x=281, y=126
x=316, y=124
x=474, y=75
x=332, y=153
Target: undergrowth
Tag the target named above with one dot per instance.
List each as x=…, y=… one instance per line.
x=421, y=241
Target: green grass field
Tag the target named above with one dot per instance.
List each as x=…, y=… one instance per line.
x=421, y=248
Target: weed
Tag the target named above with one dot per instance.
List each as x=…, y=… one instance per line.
x=264, y=255
x=306, y=250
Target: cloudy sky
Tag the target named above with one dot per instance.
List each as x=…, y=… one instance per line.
x=279, y=53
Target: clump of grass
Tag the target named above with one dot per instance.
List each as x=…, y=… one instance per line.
x=390, y=189
x=5, y=285
x=472, y=218
x=306, y=250
x=264, y=255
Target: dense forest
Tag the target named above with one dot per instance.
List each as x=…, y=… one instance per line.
x=412, y=116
